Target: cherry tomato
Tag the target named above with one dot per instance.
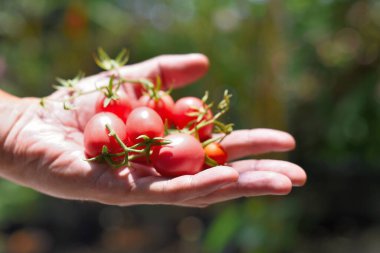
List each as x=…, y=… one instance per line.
x=121, y=106
x=144, y=121
x=181, y=116
x=138, y=89
x=183, y=156
x=216, y=152
x=96, y=134
x=163, y=105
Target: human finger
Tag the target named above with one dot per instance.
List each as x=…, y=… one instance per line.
x=294, y=172
x=249, y=184
x=159, y=190
x=242, y=143
x=174, y=70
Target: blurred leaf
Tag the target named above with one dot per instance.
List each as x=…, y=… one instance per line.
x=223, y=229
x=16, y=202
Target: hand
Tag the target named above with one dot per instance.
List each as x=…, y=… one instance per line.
x=42, y=148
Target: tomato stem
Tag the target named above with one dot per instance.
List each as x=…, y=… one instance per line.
x=223, y=106
x=209, y=141
x=210, y=162
x=147, y=143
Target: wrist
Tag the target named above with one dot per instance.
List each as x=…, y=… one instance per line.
x=8, y=107
x=11, y=109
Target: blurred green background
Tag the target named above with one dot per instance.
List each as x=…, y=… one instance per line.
x=311, y=68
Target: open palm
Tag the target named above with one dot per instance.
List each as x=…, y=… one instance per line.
x=42, y=148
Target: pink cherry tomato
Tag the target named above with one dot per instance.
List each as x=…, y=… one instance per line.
x=96, y=134
x=183, y=156
x=143, y=121
x=120, y=107
x=163, y=105
x=186, y=105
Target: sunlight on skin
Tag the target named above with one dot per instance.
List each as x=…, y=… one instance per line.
x=43, y=149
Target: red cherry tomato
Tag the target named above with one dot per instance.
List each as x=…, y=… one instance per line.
x=138, y=89
x=96, y=134
x=216, y=152
x=183, y=156
x=163, y=105
x=181, y=116
x=121, y=106
x=144, y=121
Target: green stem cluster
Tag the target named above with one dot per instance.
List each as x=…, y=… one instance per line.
x=110, y=90
x=220, y=127
x=141, y=149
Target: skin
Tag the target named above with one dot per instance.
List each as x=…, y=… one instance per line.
x=42, y=148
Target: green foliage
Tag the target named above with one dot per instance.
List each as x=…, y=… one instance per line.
x=307, y=67
x=223, y=229
x=16, y=203
x=259, y=225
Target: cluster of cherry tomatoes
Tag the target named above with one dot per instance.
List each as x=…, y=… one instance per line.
x=175, y=137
